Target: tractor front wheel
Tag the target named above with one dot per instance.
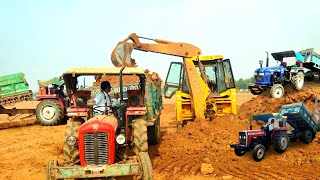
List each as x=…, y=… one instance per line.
x=255, y=92
x=146, y=166
x=140, y=136
x=307, y=137
x=297, y=81
x=70, y=150
x=154, y=133
x=239, y=152
x=51, y=164
x=258, y=152
x=49, y=112
x=277, y=91
x=280, y=142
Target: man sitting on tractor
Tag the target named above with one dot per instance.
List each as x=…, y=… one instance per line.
x=103, y=101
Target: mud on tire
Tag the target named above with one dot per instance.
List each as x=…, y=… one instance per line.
x=145, y=162
x=297, y=81
x=49, y=112
x=71, y=153
x=154, y=133
x=140, y=136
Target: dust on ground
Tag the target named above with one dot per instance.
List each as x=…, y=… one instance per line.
x=25, y=151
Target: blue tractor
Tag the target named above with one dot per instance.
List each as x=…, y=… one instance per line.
x=289, y=69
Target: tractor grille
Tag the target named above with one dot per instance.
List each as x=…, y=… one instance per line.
x=259, y=78
x=243, y=138
x=96, y=148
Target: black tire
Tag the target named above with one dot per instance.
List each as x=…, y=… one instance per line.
x=307, y=137
x=280, y=142
x=297, y=81
x=254, y=92
x=154, y=136
x=71, y=153
x=309, y=78
x=49, y=112
x=277, y=91
x=51, y=164
x=140, y=136
x=239, y=152
x=258, y=152
x=146, y=165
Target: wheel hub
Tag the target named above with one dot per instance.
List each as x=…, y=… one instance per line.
x=278, y=92
x=260, y=153
x=48, y=112
x=283, y=142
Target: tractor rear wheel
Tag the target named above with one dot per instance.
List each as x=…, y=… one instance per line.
x=280, y=142
x=145, y=163
x=307, y=137
x=297, y=81
x=49, y=112
x=154, y=133
x=71, y=152
x=258, y=152
x=277, y=91
x=140, y=136
x=239, y=152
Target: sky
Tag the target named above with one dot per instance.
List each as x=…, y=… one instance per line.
x=43, y=39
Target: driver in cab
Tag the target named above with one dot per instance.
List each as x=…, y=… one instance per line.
x=103, y=101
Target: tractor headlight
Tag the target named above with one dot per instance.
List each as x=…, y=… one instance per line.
x=121, y=139
x=71, y=140
x=255, y=73
x=261, y=74
x=244, y=137
x=240, y=137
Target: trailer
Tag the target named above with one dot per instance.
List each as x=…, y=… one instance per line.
x=311, y=62
x=14, y=88
x=276, y=131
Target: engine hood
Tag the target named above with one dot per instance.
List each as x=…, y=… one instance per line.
x=100, y=123
x=268, y=69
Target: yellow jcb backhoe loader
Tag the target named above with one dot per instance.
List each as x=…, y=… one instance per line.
x=204, y=85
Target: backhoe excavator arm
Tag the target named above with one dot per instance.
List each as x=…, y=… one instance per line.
x=121, y=54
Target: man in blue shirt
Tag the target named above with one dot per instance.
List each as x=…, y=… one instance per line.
x=103, y=100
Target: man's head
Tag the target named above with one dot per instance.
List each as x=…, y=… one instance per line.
x=105, y=86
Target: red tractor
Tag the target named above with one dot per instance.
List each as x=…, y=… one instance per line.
x=272, y=134
x=275, y=133
x=112, y=144
x=52, y=108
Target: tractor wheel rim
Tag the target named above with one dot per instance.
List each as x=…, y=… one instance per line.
x=278, y=92
x=300, y=82
x=48, y=112
x=260, y=153
x=283, y=143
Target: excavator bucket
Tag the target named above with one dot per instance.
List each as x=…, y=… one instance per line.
x=121, y=55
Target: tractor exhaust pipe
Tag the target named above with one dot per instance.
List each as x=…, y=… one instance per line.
x=267, y=60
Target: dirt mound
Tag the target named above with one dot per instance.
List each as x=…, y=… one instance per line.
x=181, y=154
x=264, y=104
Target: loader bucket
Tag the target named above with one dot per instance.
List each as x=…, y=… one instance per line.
x=121, y=55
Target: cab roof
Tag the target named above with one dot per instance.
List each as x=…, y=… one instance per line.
x=104, y=71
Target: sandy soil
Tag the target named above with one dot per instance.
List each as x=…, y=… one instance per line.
x=25, y=151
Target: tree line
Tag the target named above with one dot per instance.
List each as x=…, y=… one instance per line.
x=243, y=83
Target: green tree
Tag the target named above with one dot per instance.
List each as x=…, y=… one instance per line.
x=243, y=83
